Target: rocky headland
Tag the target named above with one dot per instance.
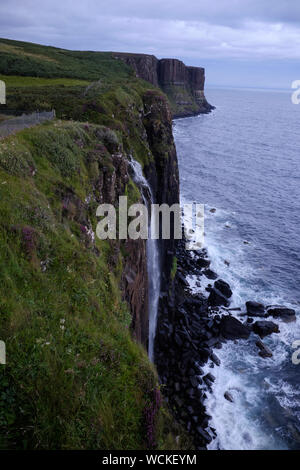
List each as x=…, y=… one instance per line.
x=183, y=85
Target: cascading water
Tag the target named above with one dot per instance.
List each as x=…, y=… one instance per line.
x=153, y=262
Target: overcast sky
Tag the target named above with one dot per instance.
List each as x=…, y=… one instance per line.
x=239, y=42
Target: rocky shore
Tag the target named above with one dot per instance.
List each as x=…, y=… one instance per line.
x=192, y=327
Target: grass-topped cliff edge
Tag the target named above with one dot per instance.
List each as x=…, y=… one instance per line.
x=76, y=377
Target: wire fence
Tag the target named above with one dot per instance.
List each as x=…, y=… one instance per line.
x=9, y=126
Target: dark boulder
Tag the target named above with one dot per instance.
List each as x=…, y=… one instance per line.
x=223, y=287
x=231, y=328
x=212, y=342
x=215, y=359
x=181, y=278
x=264, y=350
x=228, y=397
x=194, y=382
x=202, y=263
x=195, y=301
x=282, y=312
x=178, y=340
x=204, y=435
x=255, y=309
x=216, y=298
x=210, y=274
x=200, y=371
x=209, y=379
x=265, y=328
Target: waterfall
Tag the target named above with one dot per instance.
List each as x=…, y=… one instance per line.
x=153, y=262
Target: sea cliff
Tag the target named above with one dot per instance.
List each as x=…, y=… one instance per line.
x=74, y=308
x=183, y=85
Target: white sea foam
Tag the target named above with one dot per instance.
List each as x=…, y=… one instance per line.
x=243, y=372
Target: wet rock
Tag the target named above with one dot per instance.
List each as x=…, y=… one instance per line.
x=223, y=287
x=204, y=354
x=265, y=328
x=178, y=340
x=202, y=263
x=192, y=372
x=210, y=274
x=207, y=335
x=182, y=279
x=228, y=397
x=232, y=329
x=200, y=371
x=205, y=436
x=255, y=309
x=194, y=382
x=191, y=393
x=212, y=342
x=215, y=359
x=264, y=350
x=198, y=302
x=216, y=298
x=282, y=312
x=209, y=379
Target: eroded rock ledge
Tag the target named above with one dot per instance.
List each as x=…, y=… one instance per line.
x=183, y=85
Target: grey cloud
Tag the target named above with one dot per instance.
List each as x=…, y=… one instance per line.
x=194, y=30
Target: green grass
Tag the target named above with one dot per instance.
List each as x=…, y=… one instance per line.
x=34, y=60
x=74, y=377
x=117, y=106
x=12, y=81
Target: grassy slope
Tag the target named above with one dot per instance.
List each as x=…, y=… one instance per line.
x=75, y=378
x=33, y=60
x=15, y=81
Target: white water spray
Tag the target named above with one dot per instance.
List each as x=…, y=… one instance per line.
x=153, y=264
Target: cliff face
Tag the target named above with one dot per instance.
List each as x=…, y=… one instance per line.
x=183, y=85
x=145, y=66
x=162, y=173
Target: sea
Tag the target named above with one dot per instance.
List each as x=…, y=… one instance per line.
x=243, y=160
